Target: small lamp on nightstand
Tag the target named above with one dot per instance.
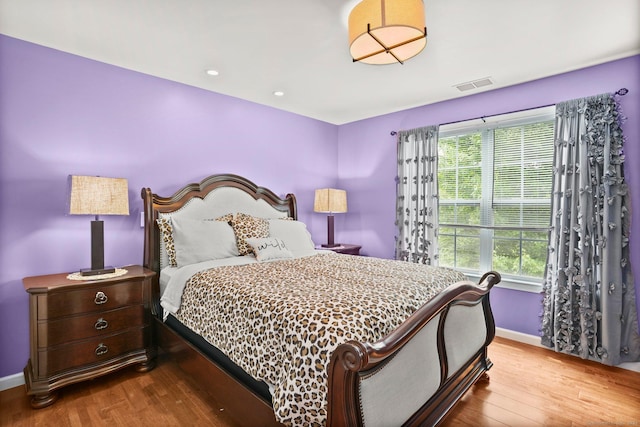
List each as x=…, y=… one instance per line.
x=332, y=201
x=96, y=195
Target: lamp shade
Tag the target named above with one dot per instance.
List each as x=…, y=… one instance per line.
x=330, y=200
x=387, y=31
x=97, y=195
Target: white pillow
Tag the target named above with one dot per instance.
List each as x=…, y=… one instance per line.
x=269, y=248
x=294, y=233
x=202, y=240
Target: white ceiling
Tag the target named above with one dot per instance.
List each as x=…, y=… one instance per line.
x=300, y=46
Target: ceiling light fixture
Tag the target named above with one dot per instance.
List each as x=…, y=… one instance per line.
x=278, y=93
x=387, y=31
x=212, y=72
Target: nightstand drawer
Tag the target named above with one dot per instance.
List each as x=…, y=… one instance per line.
x=89, y=299
x=94, y=351
x=55, y=332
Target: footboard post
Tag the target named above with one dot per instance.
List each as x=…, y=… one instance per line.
x=487, y=281
x=346, y=361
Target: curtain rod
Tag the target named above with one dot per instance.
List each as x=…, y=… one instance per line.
x=620, y=92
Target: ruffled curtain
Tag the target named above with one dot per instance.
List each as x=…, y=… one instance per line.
x=589, y=294
x=417, y=196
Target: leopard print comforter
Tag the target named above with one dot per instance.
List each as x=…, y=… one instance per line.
x=281, y=320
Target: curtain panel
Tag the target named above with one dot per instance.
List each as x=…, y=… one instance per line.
x=589, y=307
x=417, y=196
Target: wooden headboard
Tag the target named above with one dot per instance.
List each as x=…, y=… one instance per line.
x=156, y=206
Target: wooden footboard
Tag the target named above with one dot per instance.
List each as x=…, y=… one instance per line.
x=419, y=371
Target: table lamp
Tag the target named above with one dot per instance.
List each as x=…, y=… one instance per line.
x=332, y=201
x=96, y=195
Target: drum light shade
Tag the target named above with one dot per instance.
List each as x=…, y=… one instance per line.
x=387, y=31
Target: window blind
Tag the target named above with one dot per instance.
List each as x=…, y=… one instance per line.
x=494, y=188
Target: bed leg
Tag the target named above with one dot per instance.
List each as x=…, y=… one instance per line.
x=484, y=378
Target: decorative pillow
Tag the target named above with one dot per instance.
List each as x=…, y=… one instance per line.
x=166, y=234
x=202, y=240
x=247, y=226
x=269, y=248
x=294, y=233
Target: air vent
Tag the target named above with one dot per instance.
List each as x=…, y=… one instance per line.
x=463, y=87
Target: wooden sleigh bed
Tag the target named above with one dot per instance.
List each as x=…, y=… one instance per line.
x=413, y=375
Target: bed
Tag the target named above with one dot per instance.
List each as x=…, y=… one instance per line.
x=279, y=333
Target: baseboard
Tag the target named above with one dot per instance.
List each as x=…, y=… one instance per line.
x=519, y=336
x=535, y=341
x=630, y=366
x=11, y=381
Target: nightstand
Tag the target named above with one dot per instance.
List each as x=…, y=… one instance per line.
x=80, y=330
x=345, y=248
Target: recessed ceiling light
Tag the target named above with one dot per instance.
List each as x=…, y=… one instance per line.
x=212, y=72
x=278, y=93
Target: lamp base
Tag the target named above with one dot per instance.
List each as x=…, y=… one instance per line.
x=332, y=245
x=91, y=272
x=97, y=251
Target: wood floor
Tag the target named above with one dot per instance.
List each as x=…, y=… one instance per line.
x=529, y=386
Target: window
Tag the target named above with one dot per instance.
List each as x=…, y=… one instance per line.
x=494, y=184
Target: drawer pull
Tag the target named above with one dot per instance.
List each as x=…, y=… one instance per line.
x=101, y=298
x=101, y=324
x=101, y=349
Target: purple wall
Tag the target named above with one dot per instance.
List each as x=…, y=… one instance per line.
x=367, y=165
x=61, y=114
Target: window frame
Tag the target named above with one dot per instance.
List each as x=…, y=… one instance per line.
x=486, y=125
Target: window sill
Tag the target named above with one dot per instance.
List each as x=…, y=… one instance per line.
x=510, y=283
